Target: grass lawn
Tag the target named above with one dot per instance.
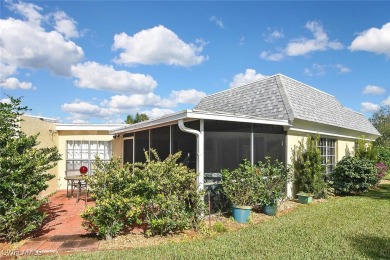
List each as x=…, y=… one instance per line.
x=355, y=227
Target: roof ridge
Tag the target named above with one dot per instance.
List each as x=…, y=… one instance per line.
x=241, y=86
x=285, y=99
x=316, y=89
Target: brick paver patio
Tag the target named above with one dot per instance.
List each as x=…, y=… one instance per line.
x=62, y=230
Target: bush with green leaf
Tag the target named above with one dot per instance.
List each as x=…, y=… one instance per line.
x=23, y=174
x=275, y=177
x=309, y=173
x=366, y=150
x=171, y=199
x=162, y=194
x=110, y=187
x=243, y=186
x=353, y=175
x=384, y=155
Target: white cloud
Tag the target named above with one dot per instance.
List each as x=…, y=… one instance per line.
x=386, y=102
x=189, y=96
x=27, y=46
x=85, y=108
x=342, y=69
x=5, y=101
x=217, y=21
x=302, y=46
x=369, y=107
x=157, y=45
x=316, y=70
x=65, y=25
x=274, y=35
x=28, y=10
x=370, y=89
x=14, y=83
x=373, y=40
x=104, y=77
x=6, y=71
x=123, y=102
x=157, y=112
x=82, y=112
x=320, y=42
x=249, y=76
x=277, y=56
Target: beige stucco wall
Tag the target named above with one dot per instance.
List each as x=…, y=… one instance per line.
x=343, y=147
x=117, y=146
x=68, y=135
x=345, y=140
x=47, y=138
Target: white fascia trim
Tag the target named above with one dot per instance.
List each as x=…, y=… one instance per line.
x=292, y=129
x=86, y=127
x=150, y=123
x=198, y=114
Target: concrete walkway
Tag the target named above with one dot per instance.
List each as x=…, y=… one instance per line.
x=62, y=230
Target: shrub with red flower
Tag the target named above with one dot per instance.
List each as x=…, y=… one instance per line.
x=381, y=170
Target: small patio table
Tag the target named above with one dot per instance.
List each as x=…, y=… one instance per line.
x=78, y=179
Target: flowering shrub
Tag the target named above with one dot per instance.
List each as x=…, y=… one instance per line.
x=381, y=171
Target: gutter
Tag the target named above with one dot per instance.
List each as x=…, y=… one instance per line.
x=199, y=149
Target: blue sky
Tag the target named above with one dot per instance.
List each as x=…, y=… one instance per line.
x=98, y=61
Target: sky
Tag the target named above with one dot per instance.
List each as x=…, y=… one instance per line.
x=99, y=61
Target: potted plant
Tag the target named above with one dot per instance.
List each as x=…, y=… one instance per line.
x=304, y=197
x=242, y=187
x=274, y=180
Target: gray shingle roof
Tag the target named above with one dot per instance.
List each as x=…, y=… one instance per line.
x=280, y=97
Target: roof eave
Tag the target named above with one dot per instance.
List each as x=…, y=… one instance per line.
x=195, y=115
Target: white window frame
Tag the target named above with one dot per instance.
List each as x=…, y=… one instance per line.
x=328, y=158
x=85, y=154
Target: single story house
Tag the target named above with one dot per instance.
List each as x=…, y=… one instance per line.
x=263, y=118
x=267, y=117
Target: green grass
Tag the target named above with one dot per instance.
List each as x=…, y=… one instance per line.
x=356, y=227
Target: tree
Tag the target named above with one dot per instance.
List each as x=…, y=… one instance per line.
x=381, y=121
x=138, y=118
x=23, y=174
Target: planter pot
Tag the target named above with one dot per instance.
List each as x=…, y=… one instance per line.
x=241, y=213
x=270, y=210
x=305, y=198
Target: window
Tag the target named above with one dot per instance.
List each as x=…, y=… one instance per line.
x=328, y=153
x=83, y=153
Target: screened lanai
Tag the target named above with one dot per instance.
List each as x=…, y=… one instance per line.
x=208, y=142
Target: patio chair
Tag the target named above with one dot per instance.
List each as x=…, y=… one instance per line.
x=82, y=185
x=73, y=184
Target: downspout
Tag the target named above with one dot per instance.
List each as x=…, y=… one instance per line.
x=199, y=150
